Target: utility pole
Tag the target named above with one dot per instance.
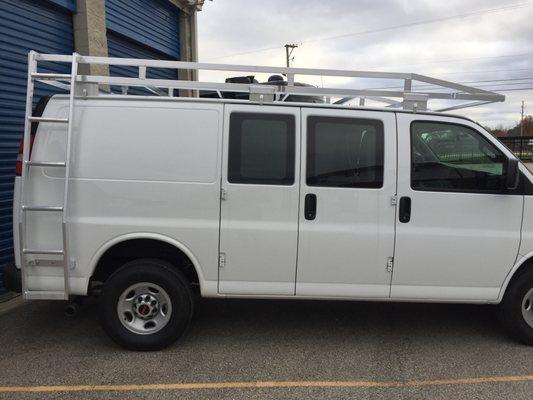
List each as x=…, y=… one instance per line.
x=289, y=48
x=522, y=120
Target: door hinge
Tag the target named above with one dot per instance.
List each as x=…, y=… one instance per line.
x=394, y=200
x=390, y=264
x=223, y=194
x=221, y=260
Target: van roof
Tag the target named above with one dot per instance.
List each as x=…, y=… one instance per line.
x=114, y=97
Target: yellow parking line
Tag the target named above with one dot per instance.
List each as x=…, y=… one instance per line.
x=264, y=385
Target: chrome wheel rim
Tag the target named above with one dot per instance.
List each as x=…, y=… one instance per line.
x=144, y=308
x=527, y=307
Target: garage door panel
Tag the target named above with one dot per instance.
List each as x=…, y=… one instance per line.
x=153, y=23
x=43, y=26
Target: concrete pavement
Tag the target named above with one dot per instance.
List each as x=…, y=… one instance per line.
x=280, y=341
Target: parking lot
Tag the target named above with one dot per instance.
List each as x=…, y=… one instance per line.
x=271, y=349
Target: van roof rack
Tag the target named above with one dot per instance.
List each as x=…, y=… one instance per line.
x=402, y=95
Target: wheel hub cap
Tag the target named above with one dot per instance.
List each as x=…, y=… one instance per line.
x=527, y=308
x=144, y=308
x=145, y=305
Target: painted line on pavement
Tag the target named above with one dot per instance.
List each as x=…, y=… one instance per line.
x=264, y=385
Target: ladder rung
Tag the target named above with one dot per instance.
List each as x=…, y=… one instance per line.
x=46, y=119
x=38, y=75
x=46, y=163
x=42, y=208
x=45, y=295
x=49, y=252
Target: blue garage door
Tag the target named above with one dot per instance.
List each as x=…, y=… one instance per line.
x=119, y=46
x=143, y=29
x=43, y=26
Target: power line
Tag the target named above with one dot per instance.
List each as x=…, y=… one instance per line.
x=457, y=60
x=384, y=29
x=501, y=80
x=494, y=82
x=513, y=90
x=425, y=22
x=498, y=90
x=486, y=72
x=245, y=53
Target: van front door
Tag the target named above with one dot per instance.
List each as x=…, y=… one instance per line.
x=259, y=200
x=346, y=238
x=458, y=227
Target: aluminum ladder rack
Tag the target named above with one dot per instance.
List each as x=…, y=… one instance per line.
x=401, y=95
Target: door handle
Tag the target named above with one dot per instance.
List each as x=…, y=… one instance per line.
x=310, y=206
x=405, y=209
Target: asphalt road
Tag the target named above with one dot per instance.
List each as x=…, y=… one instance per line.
x=384, y=351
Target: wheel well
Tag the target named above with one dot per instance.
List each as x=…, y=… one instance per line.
x=129, y=250
x=522, y=269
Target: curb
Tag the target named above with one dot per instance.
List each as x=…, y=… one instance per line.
x=10, y=303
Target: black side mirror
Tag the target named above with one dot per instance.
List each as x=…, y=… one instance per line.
x=511, y=179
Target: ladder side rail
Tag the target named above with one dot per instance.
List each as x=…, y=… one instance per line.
x=32, y=68
x=64, y=222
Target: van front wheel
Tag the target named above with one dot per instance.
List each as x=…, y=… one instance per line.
x=516, y=308
x=146, y=305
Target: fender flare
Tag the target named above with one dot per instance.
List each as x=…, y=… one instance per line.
x=512, y=272
x=146, y=235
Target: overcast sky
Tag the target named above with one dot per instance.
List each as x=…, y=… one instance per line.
x=483, y=40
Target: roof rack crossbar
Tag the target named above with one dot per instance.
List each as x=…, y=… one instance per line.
x=407, y=98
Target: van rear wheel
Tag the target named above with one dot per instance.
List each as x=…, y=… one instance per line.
x=516, y=309
x=146, y=305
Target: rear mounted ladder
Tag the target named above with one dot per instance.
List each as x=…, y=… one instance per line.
x=27, y=164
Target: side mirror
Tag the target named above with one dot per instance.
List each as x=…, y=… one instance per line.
x=511, y=179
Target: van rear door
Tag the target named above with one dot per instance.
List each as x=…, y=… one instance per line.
x=259, y=200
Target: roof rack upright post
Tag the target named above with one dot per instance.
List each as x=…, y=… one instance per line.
x=415, y=102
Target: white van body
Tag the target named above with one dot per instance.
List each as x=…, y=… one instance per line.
x=157, y=169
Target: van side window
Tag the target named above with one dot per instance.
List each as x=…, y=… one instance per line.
x=344, y=152
x=261, y=149
x=456, y=158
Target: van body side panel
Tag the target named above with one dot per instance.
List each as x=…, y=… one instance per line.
x=137, y=167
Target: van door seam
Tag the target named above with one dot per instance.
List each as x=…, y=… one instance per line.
x=395, y=207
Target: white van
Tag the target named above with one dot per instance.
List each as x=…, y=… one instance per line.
x=171, y=196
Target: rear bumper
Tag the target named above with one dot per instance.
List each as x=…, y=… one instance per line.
x=12, y=278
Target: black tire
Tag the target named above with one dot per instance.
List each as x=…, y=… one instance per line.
x=157, y=272
x=510, y=311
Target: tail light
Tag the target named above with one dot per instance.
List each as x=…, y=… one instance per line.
x=20, y=156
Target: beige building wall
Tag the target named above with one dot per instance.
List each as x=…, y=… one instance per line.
x=90, y=34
